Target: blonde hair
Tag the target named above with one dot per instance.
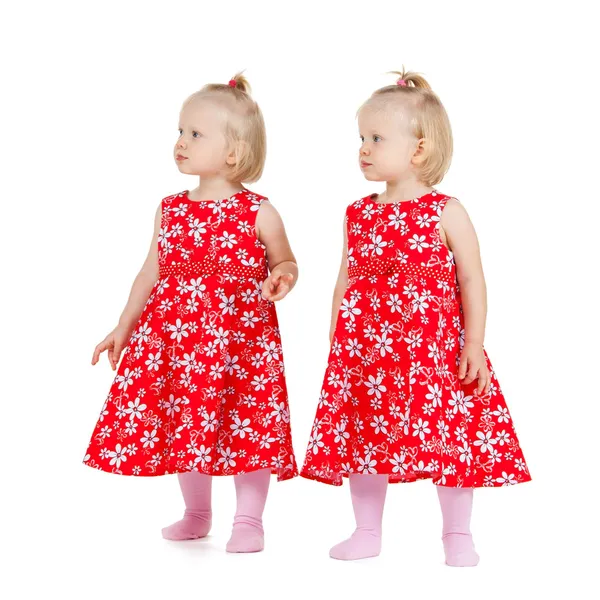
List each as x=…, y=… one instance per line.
x=245, y=124
x=430, y=122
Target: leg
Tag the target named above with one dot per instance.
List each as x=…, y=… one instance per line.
x=457, y=504
x=197, y=519
x=251, y=491
x=368, y=498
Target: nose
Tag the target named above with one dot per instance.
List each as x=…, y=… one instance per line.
x=364, y=150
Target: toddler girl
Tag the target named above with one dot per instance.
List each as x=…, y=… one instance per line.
x=409, y=392
x=201, y=388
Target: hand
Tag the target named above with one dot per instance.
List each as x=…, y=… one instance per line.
x=473, y=366
x=275, y=287
x=114, y=343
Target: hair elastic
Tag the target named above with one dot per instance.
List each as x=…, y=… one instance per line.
x=232, y=82
x=401, y=82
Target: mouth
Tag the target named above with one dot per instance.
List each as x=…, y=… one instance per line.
x=364, y=164
x=180, y=158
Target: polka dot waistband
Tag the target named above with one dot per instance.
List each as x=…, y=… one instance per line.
x=376, y=266
x=210, y=267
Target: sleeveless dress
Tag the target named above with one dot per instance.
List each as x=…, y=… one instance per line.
x=391, y=401
x=201, y=384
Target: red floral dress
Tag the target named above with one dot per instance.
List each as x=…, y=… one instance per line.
x=391, y=402
x=201, y=385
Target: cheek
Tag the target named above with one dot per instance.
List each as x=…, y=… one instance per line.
x=396, y=158
x=215, y=157
x=202, y=152
x=387, y=157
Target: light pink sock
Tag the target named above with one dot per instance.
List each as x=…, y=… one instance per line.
x=457, y=505
x=368, y=498
x=197, y=519
x=251, y=491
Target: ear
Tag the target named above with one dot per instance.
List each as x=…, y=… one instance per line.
x=420, y=152
x=237, y=150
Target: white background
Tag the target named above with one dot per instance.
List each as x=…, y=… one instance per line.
x=90, y=101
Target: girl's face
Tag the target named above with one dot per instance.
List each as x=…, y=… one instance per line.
x=388, y=144
x=202, y=148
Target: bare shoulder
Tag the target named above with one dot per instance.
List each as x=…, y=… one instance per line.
x=453, y=212
x=453, y=204
x=266, y=207
x=266, y=211
x=267, y=217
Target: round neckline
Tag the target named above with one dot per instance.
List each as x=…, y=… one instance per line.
x=186, y=194
x=376, y=195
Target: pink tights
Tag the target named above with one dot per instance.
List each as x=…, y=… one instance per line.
x=368, y=499
x=456, y=505
x=251, y=492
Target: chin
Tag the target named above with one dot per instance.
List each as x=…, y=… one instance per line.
x=371, y=176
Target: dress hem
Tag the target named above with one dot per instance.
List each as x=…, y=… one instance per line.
x=337, y=482
x=282, y=474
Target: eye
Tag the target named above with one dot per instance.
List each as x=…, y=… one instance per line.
x=196, y=134
x=376, y=138
x=362, y=139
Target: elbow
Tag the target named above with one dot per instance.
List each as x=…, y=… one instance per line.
x=470, y=280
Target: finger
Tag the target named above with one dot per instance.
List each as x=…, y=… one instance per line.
x=117, y=354
x=462, y=369
x=279, y=295
x=265, y=288
x=488, y=383
x=110, y=358
x=282, y=292
x=276, y=280
x=482, y=383
x=485, y=385
x=472, y=375
x=101, y=347
x=280, y=283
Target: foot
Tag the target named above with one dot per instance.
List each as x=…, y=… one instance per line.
x=246, y=538
x=459, y=550
x=195, y=524
x=362, y=544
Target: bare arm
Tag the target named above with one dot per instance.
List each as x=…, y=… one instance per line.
x=116, y=340
x=340, y=285
x=144, y=281
x=462, y=241
x=282, y=262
